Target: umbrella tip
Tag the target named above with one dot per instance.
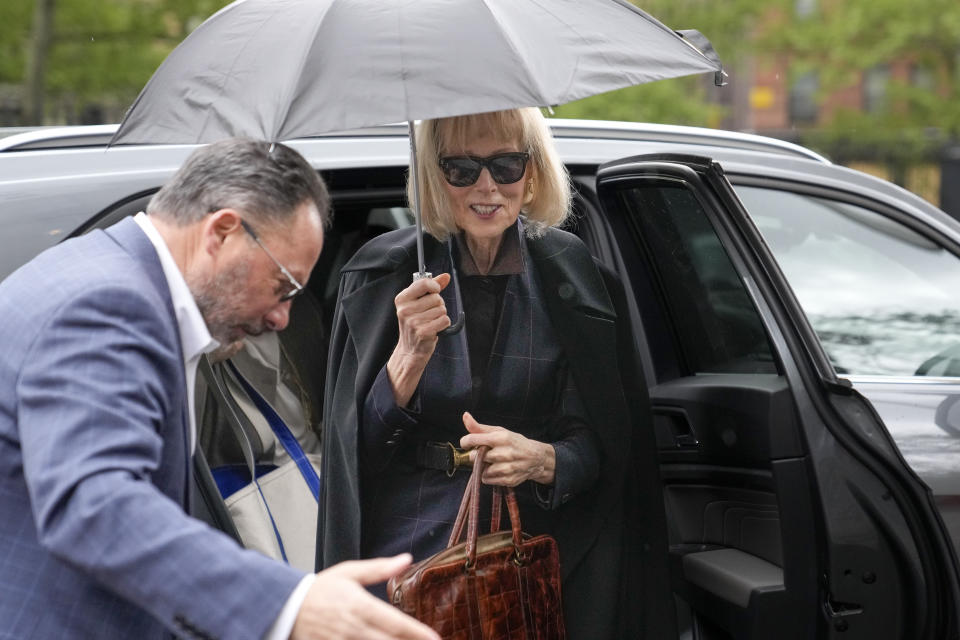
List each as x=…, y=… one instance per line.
x=273, y=145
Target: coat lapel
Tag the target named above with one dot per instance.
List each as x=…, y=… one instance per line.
x=585, y=323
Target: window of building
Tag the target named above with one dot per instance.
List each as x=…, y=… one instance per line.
x=805, y=8
x=922, y=77
x=875, y=82
x=804, y=107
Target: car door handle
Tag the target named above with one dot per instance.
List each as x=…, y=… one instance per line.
x=680, y=428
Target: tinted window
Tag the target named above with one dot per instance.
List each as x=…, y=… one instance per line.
x=883, y=299
x=718, y=328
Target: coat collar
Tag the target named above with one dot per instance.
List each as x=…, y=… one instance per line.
x=561, y=258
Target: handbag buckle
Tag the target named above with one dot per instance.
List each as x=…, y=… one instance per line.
x=458, y=458
x=519, y=558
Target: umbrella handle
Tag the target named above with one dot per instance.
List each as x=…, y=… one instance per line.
x=457, y=326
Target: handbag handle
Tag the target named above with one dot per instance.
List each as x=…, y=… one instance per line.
x=470, y=511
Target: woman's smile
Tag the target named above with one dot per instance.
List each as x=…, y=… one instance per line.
x=485, y=211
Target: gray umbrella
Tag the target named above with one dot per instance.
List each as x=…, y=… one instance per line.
x=281, y=69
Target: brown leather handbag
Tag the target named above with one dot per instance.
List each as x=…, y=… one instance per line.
x=504, y=585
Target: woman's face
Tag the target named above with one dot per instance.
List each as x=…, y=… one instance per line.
x=485, y=209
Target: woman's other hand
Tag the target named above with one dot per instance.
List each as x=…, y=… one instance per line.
x=512, y=458
x=421, y=315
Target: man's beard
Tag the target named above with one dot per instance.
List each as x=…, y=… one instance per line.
x=219, y=300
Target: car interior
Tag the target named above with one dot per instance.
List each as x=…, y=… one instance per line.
x=720, y=466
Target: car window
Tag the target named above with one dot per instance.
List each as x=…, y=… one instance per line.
x=719, y=329
x=883, y=299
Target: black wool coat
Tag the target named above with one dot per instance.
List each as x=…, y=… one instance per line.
x=364, y=332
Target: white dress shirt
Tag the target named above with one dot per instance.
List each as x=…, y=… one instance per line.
x=195, y=340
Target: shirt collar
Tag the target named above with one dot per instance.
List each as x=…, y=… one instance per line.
x=195, y=338
x=509, y=258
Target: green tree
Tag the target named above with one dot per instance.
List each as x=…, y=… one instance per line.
x=99, y=51
x=40, y=28
x=845, y=39
x=693, y=100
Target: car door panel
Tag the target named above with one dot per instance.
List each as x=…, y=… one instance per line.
x=783, y=497
x=722, y=497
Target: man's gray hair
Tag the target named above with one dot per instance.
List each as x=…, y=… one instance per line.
x=265, y=181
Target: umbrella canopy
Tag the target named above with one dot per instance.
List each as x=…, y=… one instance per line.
x=281, y=69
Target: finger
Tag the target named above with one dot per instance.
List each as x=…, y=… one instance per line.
x=443, y=280
x=374, y=570
x=434, y=327
x=408, y=318
x=490, y=436
x=419, y=288
x=502, y=476
x=423, y=303
x=426, y=285
x=413, y=320
x=475, y=427
x=384, y=617
x=501, y=453
x=475, y=440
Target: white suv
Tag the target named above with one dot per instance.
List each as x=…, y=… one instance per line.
x=796, y=356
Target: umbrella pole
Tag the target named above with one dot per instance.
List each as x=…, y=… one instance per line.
x=421, y=273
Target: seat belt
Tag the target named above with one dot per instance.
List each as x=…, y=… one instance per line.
x=233, y=419
x=283, y=434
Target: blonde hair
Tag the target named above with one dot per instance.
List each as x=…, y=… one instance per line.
x=549, y=205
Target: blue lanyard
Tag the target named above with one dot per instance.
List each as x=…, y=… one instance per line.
x=280, y=429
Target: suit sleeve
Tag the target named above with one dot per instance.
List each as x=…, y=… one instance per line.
x=94, y=414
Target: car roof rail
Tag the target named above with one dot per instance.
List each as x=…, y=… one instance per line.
x=93, y=135
x=100, y=136
x=680, y=134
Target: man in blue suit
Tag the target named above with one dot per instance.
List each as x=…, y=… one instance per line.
x=101, y=339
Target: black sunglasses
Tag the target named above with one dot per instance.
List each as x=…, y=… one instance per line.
x=504, y=168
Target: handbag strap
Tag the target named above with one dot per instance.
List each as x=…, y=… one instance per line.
x=495, y=508
x=283, y=434
x=470, y=510
x=216, y=384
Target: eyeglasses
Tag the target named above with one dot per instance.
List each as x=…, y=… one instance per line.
x=297, y=287
x=504, y=168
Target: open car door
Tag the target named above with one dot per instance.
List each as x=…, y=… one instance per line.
x=790, y=511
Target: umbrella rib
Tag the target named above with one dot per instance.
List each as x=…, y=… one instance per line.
x=646, y=16
x=509, y=37
x=210, y=112
x=403, y=76
x=288, y=102
x=572, y=28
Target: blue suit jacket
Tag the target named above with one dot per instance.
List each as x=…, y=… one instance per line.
x=94, y=461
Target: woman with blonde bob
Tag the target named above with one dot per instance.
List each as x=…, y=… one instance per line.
x=533, y=374
x=547, y=196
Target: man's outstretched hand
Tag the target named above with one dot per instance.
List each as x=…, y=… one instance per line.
x=337, y=605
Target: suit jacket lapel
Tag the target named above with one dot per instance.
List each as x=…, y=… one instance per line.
x=128, y=234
